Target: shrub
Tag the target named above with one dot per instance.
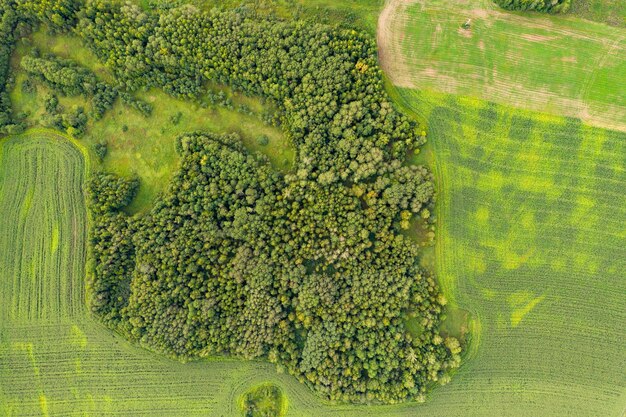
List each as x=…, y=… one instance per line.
x=101, y=150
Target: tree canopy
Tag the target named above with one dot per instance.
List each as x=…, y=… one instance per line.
x=309, y=270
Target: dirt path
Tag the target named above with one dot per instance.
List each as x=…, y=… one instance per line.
x=389, y=41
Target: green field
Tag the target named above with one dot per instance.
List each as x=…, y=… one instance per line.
x=548, y=63
x=537, y=258
x=55, y=360
x=531, y=242
x=531, y=229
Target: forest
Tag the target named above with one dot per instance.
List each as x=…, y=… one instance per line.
x=310, y=269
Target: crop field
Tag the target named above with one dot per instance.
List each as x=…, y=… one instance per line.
x=553, y=64
x=531, y=222
x=541, y=279
x=531, y=242
x=54, y=359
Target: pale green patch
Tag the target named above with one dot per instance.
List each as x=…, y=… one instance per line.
x=518, y=314
x=482, y=215
x=54, y=242
x=27, y=202
x=78, y=337
x=43, y=403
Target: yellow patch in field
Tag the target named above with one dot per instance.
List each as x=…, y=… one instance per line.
x=27, y=203
x=558, y=264
x=519, y=298
x=482, y=214
x=584, y=206
x=477, y=264
x=471, y=102
x=489, y=294
x=43, y=403
x=512, y=260
x=529, y=160
x=533, y=183
x=494, y=180
x=518, y=313
x=527, y=220
x=78, y=337
x=54, y=242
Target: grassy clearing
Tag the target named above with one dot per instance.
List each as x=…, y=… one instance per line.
x=553, y=64
x=145, y=146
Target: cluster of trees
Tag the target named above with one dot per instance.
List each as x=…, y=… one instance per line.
x=308, y=270
x=59, y=15
x=74, y=121
x=238, y=259
x=547, y=6
x=70, y=79
x=9, y=26
x=325, y=81
x=264, y=401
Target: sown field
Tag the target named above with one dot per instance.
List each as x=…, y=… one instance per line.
x=553, y=64
x=54, y=359
x=536, y=257
x=532, y=241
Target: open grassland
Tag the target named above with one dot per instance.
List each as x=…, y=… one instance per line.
x=553, y=64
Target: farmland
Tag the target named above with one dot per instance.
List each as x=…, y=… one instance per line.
x=531, y=242
x=534, y=287
x=55, y=359
x=549, y=63
x=530, y=222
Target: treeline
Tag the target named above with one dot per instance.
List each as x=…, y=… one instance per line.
x=547, y=6
x=66, y=77
x=59, y=15
x=9, y=22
